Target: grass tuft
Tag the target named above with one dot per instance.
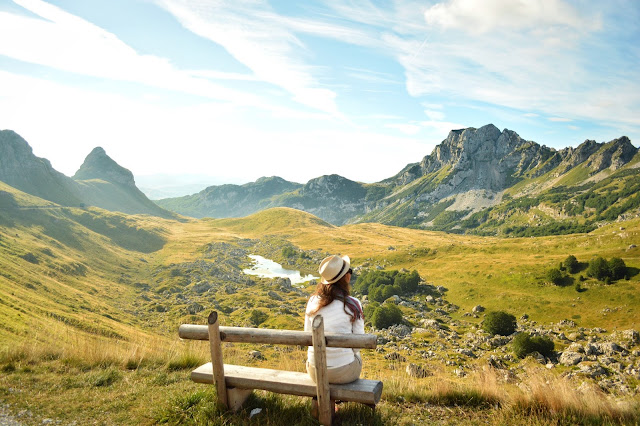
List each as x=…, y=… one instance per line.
x=184, y=362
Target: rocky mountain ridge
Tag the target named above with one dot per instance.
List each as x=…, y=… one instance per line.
x=99, y=182
x=471, y=171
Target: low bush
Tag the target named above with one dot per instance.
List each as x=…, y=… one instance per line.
x=383, y=316
x=571, y=264
x=555, y=276
x=524, y=344
x=258, y=317
x=499, y=322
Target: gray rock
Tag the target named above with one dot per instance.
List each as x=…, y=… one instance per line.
x=418, y=371
x=591, y=349
x=466, y=352
x=592, y=370
x=194, y=308
x=399, y=330
x=274, y=296
x=609, y=348
x=631, y=335
x=498, y=341
x=431, y=323
x=284, y=282
x=570, y=358
x=257, y=355
x=477, y=309
x=395, y=356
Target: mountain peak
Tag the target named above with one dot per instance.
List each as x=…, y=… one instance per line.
x=98, y=165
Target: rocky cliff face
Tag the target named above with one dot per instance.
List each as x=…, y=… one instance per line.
x=468, y=172
x=21, y=169
x=332, y=198
x=98, y=165
x=100, y=182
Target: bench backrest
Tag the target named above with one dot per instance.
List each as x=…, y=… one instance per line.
x=277, y=337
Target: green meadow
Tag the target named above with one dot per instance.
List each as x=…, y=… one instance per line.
x=90, y=303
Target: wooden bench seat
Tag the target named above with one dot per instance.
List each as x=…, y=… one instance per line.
x=234, y=383
x=289, y=382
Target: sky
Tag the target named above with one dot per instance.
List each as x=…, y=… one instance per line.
x=229, y=91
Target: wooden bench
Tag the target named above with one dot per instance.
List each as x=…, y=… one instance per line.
x=234, y=383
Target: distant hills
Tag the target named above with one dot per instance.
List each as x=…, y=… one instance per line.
x=99, y=182
x=483, y=181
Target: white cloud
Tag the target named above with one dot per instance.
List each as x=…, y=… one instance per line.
x=531, y=114
x=150, y=137
x=559, y=119
x=474, y=17
x=434, y=115
x=258, y=38
x=63, y=41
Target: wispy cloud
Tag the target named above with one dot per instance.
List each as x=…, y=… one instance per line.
x=559, y=119
x=475, y=18
x=66, y=42
x=258, y=38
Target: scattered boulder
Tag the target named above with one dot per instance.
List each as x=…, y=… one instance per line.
x=201, y=287
x=256, y=355
x=609, y=348
x=284, y=283
x=632, y=335
x=399, y=330
x=477, y=309
x=592, y=370
x=274, y=296
x=418, y=371
x=431, y=323
x=194, y=308
x=395, y=356
x=570, y=358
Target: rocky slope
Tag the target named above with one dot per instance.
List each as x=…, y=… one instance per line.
x=464, y=185
x=99, y=182
x=104, y=183
x=21, y=169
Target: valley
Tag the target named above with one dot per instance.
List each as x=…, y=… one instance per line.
x=91, y=297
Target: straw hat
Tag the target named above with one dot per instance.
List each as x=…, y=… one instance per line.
x=333, y=268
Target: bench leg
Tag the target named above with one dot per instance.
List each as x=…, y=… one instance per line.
x=315, y=410
x=236, y=397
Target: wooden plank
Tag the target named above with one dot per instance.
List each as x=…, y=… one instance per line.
x=278, y=337
x=289, y=382
x=216, y=359
x=322, y=378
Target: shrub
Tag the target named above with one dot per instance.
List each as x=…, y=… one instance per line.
x=257, y=317
x=523, y=344
x=289, y=252
x=555, y=276
x=571, y=264
x=375, y=283
x=617, y=268
x=499, y=322
x=386, y=315
x=30, y=257
x=598, y=268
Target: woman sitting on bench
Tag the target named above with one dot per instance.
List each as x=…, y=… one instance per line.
x=341, y=314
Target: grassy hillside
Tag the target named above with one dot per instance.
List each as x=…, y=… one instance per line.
x=91, y=301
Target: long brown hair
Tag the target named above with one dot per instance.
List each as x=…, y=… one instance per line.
x=327, y=293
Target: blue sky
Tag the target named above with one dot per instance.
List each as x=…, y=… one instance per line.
x=236, y=90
